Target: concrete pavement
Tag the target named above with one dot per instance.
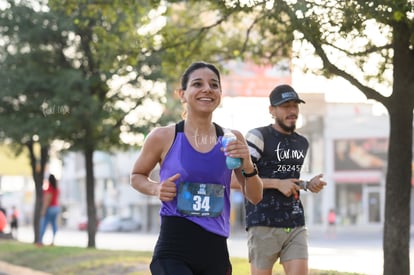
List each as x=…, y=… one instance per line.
x=9, y=269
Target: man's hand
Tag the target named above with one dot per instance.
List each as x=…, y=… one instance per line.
x=316, y=184
x=288, y=187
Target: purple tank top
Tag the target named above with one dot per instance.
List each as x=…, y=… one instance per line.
x=194, y=166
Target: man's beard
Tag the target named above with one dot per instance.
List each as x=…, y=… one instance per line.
x=289, y=129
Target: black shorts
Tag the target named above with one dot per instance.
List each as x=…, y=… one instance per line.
x=185, y=248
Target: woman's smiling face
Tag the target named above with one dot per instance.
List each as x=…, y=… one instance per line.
x=203, y=91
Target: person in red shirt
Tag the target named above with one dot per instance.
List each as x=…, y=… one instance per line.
x=50, y=209
x=14, y=222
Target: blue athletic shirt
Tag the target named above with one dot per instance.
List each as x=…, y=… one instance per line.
x=197, y=167
x=277, y=156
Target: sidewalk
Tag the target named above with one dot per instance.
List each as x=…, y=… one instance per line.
x=9, y=269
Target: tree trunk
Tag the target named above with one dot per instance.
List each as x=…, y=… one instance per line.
x=38, y=170
x=398, y=181
x=90, y=197
x=398, y=192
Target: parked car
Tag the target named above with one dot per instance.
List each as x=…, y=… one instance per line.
x=118, y=224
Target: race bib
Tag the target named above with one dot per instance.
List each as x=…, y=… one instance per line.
x=200, y=199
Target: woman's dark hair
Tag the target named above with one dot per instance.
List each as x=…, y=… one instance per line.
x=52, y=180
x=195, y=66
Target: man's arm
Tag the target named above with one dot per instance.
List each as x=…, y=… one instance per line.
x=287, y=187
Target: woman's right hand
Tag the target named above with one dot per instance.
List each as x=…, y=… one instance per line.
x=167, y=189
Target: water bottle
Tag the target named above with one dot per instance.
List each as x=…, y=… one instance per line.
x=231, y=163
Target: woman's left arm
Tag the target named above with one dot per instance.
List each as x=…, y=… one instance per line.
x=246, y=175
x=47, y=198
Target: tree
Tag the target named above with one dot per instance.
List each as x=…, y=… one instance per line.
x=26, y=84
x=110, y=44
x=350, y=20
x=60, y=64
x=339, y=33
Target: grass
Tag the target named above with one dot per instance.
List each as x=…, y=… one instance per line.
x=59, y=260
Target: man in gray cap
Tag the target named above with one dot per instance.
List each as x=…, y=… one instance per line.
x=276, y=226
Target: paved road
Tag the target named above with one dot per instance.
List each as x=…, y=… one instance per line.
x=351, y=249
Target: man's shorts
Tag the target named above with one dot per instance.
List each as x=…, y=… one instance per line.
x=267, y=244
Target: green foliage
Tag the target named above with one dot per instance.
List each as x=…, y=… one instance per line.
x=218, y=35
x=221, y=33
x=108, y=46
x=26, y=73
x=57, y=64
